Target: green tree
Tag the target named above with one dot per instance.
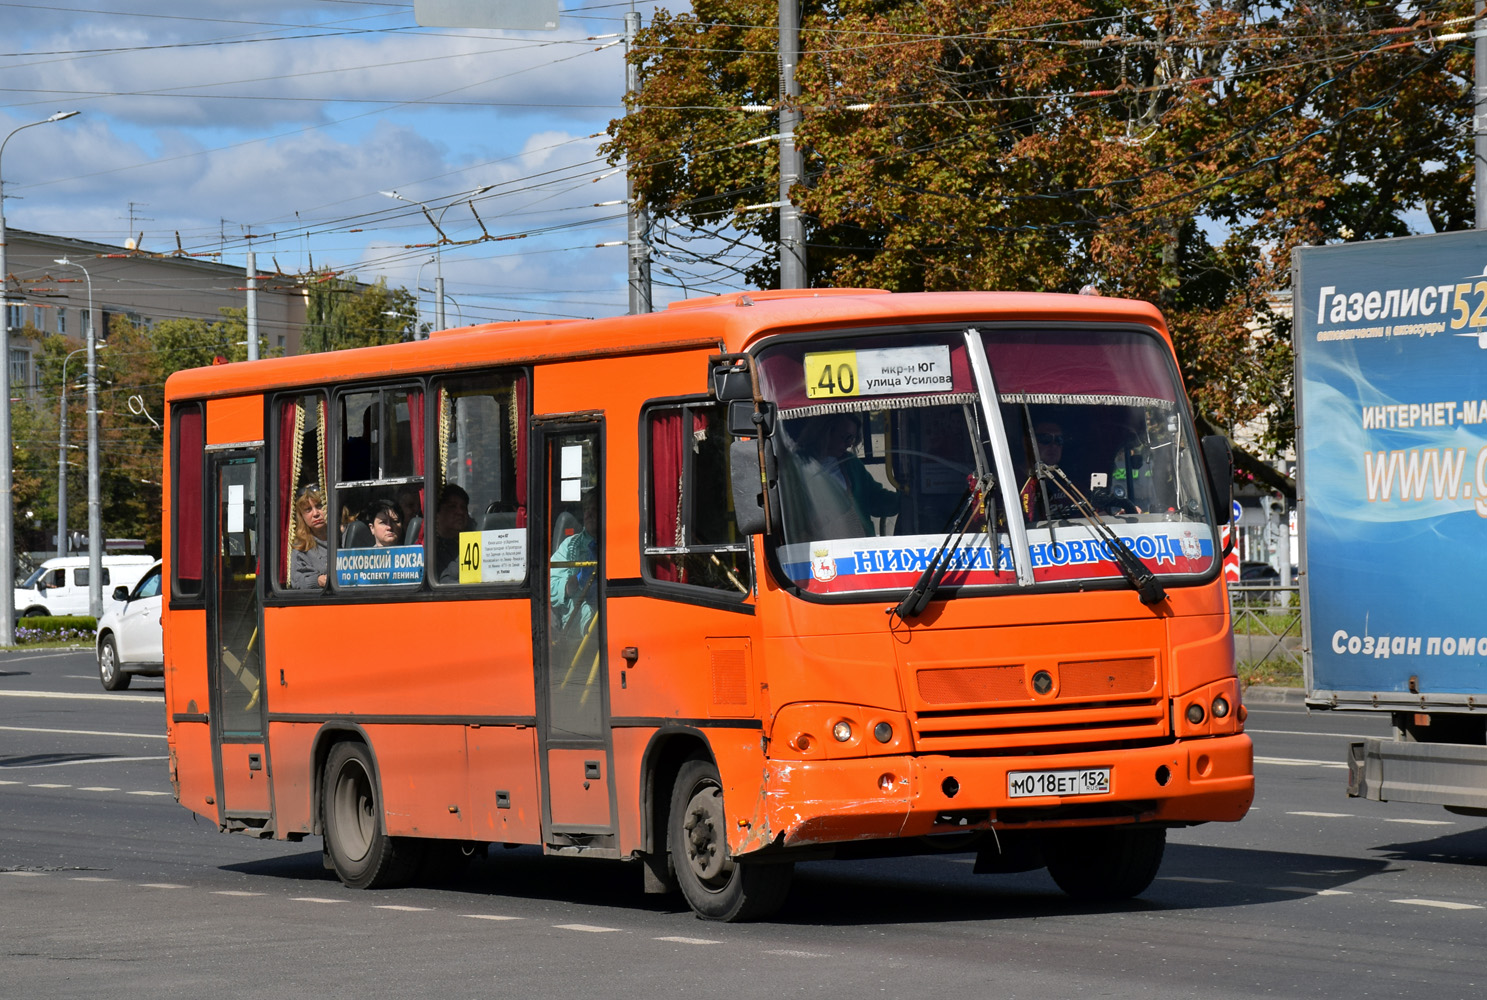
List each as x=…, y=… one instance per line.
x=341, y=314
x=1162, y=151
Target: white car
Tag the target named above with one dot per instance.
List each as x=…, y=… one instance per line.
x=129, y=639
x=60, y=585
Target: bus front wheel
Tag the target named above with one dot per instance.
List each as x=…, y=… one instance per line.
x=1105, y=863
x=716, y=885
x=363, y=856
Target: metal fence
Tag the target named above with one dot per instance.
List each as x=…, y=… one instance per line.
x=1267, y=628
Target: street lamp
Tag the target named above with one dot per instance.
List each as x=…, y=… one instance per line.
x=439, y=248
x=7, y=485
x=62, y=456
x=95, y=503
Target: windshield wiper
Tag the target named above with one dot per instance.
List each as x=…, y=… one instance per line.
x=923, y=591
x=1148, y=587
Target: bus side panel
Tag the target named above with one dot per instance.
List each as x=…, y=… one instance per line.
x=185, y=637
x=1202, y=651
x=461, y=660
x=233, y=420
x=739, y=754
x=676, y=673
x=191, y=767
x=292, y=771
x=629, y=751
x=504, y=759
x=425, y=786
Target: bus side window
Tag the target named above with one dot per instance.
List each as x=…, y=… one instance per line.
x=478, y=525
x=300, y=486
x=691, y=537
x=379, y=491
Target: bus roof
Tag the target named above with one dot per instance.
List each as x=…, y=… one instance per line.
x=729, y=323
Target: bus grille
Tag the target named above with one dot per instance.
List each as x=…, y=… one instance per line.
x=997, y=707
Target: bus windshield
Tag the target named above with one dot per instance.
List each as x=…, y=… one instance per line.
x=879, y=438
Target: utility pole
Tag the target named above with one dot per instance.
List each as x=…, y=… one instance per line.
x=1479, y=116
x=792, y=231
x=639, y=217
x=252, y=272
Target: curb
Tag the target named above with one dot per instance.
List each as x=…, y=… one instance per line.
x=1265, y=694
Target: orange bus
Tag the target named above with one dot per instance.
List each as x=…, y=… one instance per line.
x=760, y=578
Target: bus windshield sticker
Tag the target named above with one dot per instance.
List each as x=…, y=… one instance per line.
x=845, y=374
x=493, y=556
x=389, y=564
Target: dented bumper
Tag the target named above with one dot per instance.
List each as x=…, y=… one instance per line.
x=810, y=803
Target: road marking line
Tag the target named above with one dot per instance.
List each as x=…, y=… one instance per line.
x=98, y=788
x=688, y=940
x=78, y=696
x=405, y=909
x=1319, y=815
x=93, y=878
x=9, y=782
x=50, y=784
x=1299, y=732
x=162, y=885
x=147, y=792
x=79, y=732
x=796, y=954
x=1423, y=822
x=23, y=874
x=234, y=892
x=1334, y=892
x=586, y=928
x=489, y=916
x=1300, y=762
x=1195, y=879
x=314, y=899
x=1439, y=904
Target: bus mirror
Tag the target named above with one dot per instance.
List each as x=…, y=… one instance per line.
x=745, y=421
x=1220, y=462
x=731, y=382
x=753, y=486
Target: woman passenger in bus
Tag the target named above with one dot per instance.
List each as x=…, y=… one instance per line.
x=307, y=564
x=386, y=519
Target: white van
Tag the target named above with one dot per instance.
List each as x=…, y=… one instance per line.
x=60, y=585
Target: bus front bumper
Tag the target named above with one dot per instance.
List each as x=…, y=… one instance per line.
x=837, y=801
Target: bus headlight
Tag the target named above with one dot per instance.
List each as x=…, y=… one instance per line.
x=842, y=731
x=1220, y=707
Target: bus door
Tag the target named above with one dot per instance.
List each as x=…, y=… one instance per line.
x=235, y=640
x=572, y=672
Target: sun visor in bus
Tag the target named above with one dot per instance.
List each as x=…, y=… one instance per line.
x=1080, y=366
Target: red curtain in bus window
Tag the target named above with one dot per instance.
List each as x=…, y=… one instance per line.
x=666, y=492
x=190, y=447
x=519, y=390
x=415, y=431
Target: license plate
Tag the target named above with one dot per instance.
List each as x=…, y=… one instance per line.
x=1081, y=781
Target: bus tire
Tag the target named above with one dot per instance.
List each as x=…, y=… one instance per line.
x=1105, y=863
x=109, y=674
x=362, y=854
x=716, y=886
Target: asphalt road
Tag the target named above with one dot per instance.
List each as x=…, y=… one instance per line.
x=109, y=889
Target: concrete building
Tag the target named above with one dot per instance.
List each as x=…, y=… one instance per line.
x=45, y=298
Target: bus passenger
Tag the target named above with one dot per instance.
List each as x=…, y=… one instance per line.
x=307, y=565
x=386, y=519
x=843, y=496
x=571, y=580
x=451, y=516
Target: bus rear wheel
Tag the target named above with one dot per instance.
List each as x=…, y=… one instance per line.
x=716, y=885
x=362, y=854
x=1105, y=863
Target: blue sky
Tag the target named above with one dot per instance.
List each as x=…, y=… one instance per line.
x=218, y=120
